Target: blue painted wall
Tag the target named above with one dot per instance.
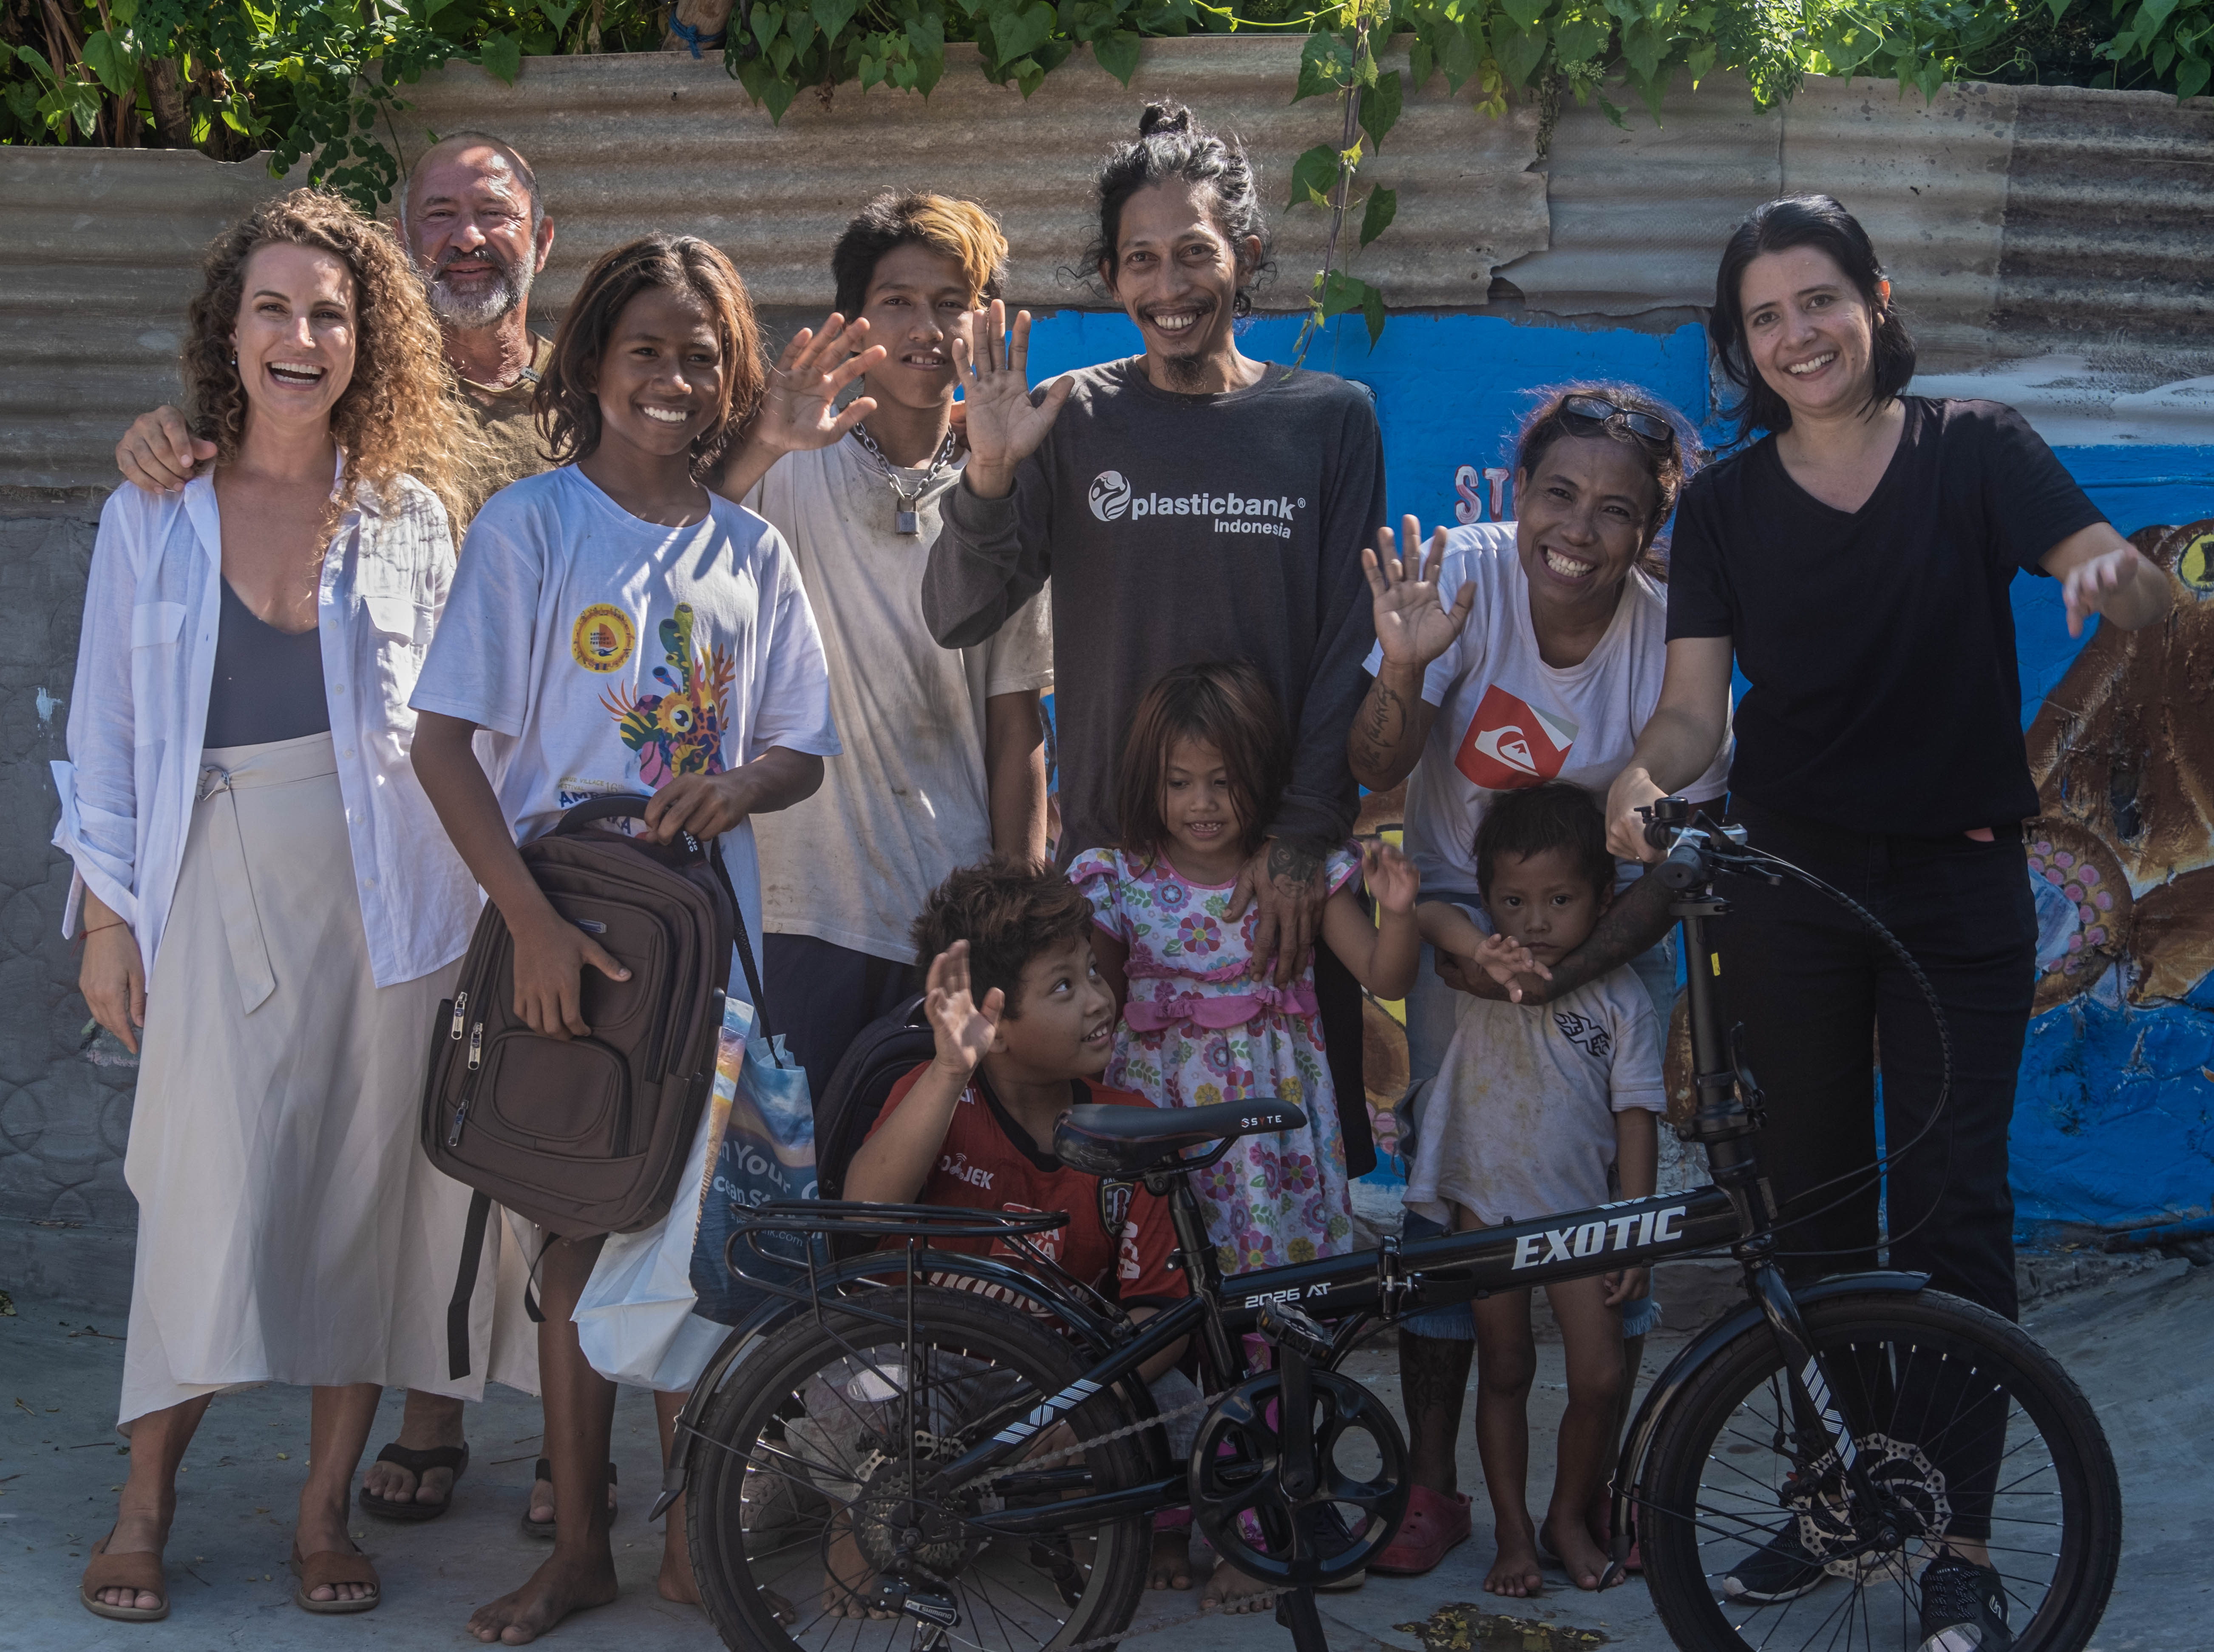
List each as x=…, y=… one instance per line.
x=2114, y=1121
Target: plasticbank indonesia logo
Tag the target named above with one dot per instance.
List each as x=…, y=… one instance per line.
x=1113, y=498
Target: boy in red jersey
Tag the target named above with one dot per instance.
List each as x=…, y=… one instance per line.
x=1023, y=1026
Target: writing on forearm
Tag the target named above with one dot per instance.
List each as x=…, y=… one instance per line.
x=1377, y=732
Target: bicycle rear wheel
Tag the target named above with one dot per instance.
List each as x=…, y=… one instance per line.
x=1980, y=1441
x=804, y=1527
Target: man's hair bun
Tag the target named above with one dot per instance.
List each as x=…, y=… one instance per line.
x=1170, y=144
x=1164, y=117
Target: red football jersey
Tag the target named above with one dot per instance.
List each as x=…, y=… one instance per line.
x=988, y=1161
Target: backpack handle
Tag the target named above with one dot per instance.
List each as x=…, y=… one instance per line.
x=631, y=805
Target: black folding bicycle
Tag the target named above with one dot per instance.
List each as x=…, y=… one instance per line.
x=915, y=1448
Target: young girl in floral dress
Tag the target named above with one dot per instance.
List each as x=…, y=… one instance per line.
x=1201, y=772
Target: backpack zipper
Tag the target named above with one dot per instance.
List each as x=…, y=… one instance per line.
x=469, y=1086
x=461, y=1013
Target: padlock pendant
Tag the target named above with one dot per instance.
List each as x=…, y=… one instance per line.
x=905, y=522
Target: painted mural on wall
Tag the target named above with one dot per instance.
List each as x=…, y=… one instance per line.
x=2115, y=1120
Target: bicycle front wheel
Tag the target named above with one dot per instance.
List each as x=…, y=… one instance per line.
x=1981, y=1445
x=804, y=1521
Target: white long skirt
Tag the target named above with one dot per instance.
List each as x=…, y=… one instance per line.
x=290, y=1228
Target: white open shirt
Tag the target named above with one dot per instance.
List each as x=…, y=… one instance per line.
x=138, y=717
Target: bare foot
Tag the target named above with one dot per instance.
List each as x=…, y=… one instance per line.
x=1231, y=1590
x=1514, y=1574
x=676, y=1582
x=848, y=1585
x=566, y=1583
x=134, y=1534
x=1584, y=1561
x=1172, y=1567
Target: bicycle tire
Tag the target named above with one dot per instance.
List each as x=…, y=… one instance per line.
x=764, y=1407
x=1911, y=1346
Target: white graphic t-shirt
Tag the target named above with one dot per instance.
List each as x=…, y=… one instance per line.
x=1507, y=720
x=609, y=655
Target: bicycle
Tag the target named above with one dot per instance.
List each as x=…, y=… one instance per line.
x=934, y=1449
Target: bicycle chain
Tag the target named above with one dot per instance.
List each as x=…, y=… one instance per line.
x=1160, y=1419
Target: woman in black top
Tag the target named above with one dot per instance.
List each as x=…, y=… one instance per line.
x=1855, y=561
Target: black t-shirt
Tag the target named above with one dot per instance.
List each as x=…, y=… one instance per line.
x=1879, y=643
x=1182, y=528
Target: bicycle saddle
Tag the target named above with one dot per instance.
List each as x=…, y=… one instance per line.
x=1125, y=1143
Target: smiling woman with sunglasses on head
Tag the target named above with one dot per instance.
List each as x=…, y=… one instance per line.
x=1515, y=653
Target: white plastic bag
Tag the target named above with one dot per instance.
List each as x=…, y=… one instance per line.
x=635, y=1318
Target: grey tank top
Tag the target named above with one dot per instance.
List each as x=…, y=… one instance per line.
x=268, y=683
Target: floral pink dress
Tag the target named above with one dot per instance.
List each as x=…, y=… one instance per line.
x=1199, y=1029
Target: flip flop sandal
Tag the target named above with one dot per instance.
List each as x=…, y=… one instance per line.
x=545, y=1531
x=141, y=1572
x=417, y=1463
x=333, y=1567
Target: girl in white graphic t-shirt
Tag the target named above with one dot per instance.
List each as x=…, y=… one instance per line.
x=1518, y=652
x=615, y=627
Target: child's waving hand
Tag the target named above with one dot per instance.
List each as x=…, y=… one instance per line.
x=1503, y=959
x=1390, y=876
x=964, y=1031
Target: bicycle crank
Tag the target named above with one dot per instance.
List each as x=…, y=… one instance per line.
x=1355, y=1467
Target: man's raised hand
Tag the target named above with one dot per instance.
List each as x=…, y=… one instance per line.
x=1004, y=426
x=1413, y=628
x=964, y=1031
x=799, y=409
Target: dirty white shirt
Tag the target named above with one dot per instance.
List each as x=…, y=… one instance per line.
x=909, y=798
x=1520, y=1121
x=138, y=714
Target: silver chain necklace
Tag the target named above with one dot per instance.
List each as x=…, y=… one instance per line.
x=905, y=519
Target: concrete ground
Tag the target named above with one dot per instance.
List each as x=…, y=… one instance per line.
x=2142, y=1346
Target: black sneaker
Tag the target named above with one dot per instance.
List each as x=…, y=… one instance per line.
x=1780, y=1571
x=1963, y=1608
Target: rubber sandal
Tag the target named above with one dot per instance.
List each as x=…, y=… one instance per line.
x=333, y=1566
x=417, y=1463
x=1433, y=1525
x=141, y=1572
x=545, y=1531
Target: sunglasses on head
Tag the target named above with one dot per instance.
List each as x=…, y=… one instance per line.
x=1590, y=412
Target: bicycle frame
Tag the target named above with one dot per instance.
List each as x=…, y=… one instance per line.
x=1737, y=1212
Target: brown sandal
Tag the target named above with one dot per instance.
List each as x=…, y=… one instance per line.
x=331, y=1567
x=141, y=1573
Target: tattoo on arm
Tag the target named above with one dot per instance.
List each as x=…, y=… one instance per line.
x=1380, y=727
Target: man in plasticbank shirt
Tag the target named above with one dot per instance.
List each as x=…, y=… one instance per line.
x=1189, y=503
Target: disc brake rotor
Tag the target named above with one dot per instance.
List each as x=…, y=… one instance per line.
x=1913, y=1490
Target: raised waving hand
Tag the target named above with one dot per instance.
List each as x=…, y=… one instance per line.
x=1413, y=626
x=1004, y=425
x=799, y=408
x=963, y=1029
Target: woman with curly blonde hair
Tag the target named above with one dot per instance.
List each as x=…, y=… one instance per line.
x=266, y=890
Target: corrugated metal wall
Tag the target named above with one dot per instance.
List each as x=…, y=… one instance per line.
x=2020, y=222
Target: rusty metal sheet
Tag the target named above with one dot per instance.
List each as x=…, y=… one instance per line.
x=629, y=142
x=1640, y=211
